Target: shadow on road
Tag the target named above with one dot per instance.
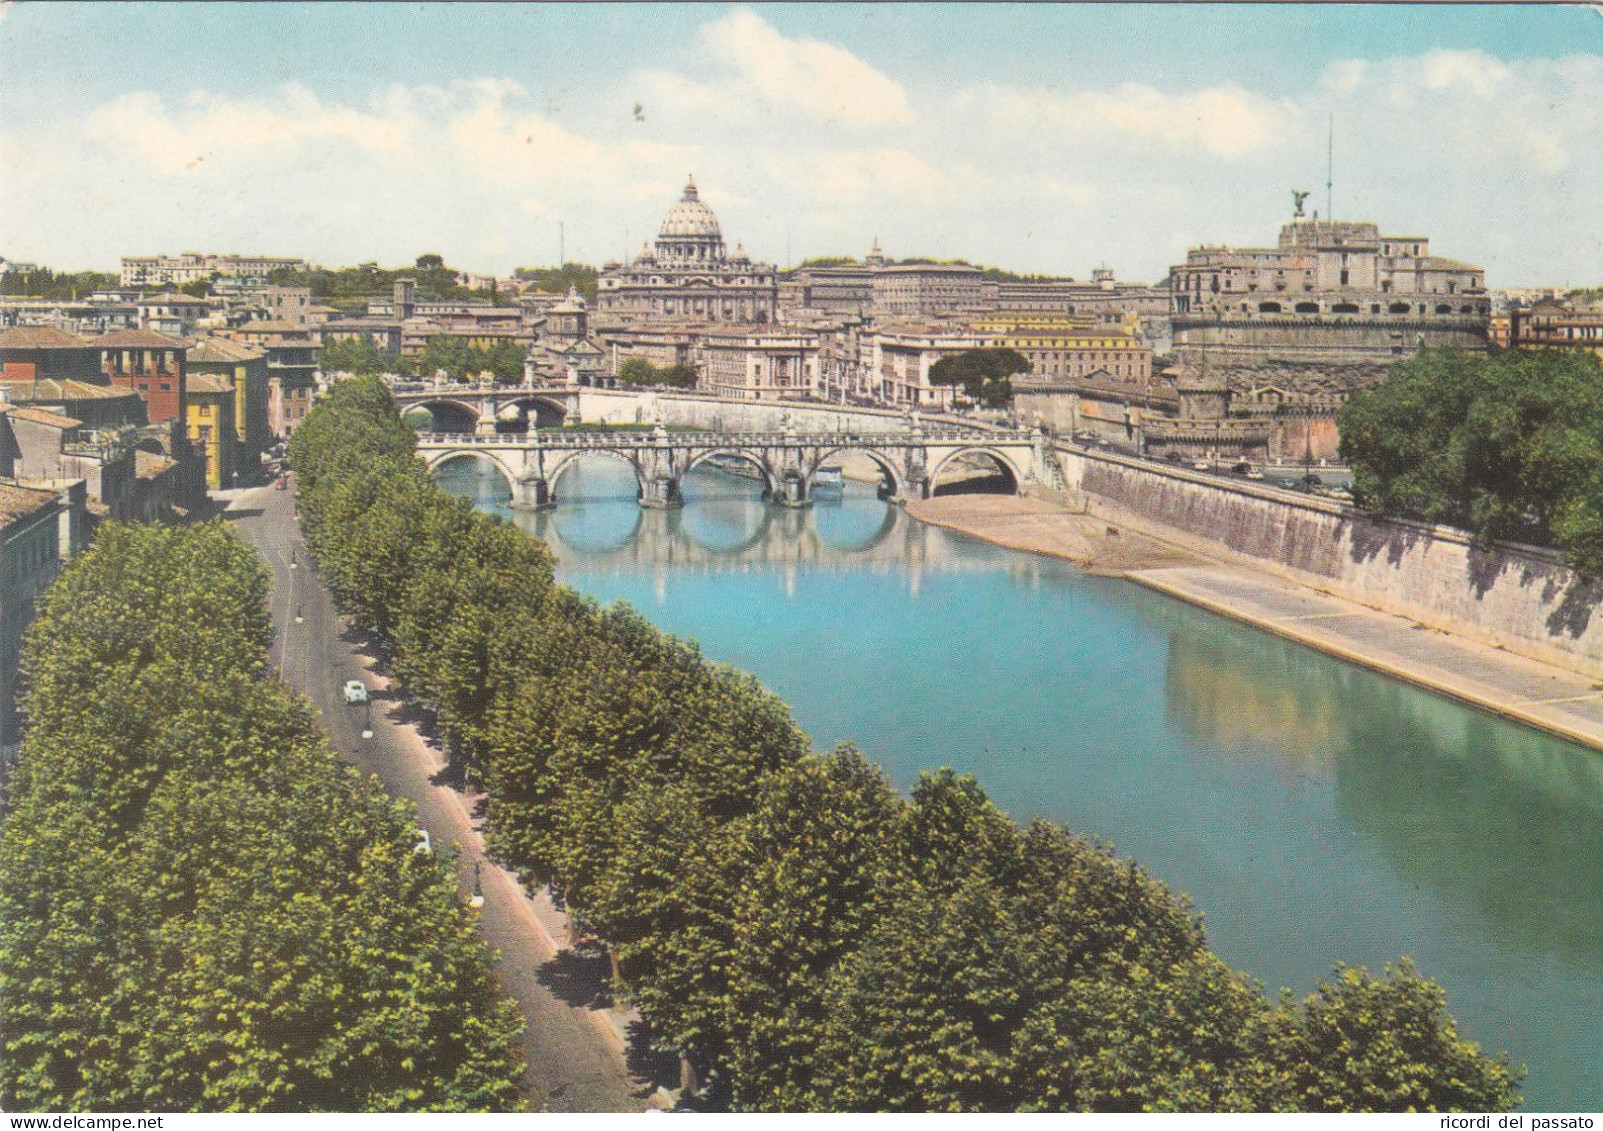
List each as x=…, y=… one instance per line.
x=578, y=977
x=646, y=1064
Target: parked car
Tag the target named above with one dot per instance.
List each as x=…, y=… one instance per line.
x=355, y=691
x=424, y=846
x=1202, y=465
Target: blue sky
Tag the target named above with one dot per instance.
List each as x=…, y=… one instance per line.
x=1038, y=137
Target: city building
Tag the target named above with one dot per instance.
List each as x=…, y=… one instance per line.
x=211, y=432
x=1557, y=325
x=171, y=312
x=565, y=351
x=162, y=270
x=928, y=290
x=897, y=361
x=759, y=364
x=152, y=365
x=1068, y=353
x=688, y=277
x=291, y=369
x=244, y=367
x=41, y=353
x=1324, y=312
x=40, y=529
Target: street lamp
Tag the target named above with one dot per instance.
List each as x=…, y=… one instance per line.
x=367, y=727
x=478, y=891
x=298, y=618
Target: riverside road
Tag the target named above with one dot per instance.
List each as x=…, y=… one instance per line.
x=576, y=1056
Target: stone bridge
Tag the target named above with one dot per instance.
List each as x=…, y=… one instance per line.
x=488, y=409
x=786, y=462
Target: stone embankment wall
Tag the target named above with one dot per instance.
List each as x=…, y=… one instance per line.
x=1519, y=598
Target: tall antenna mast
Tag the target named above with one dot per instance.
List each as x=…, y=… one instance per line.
x=1330, y=169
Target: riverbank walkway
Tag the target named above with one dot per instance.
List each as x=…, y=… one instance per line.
x=1539, y=695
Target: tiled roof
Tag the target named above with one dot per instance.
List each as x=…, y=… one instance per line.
x=207, y=383
x=18, y=502
x=43, y=416
x=223, y=349
x=136, y=339
x=41, y=338
x=57, y=389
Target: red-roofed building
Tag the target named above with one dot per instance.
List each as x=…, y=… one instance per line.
x=152, y=364
x=32, y=353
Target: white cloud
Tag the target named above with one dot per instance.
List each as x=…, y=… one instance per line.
x=1471, y=70
x=1225, y=121
x=752, y=70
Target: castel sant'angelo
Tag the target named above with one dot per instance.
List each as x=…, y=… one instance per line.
x=1269, y=341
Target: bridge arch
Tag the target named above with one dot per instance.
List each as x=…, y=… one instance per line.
x=565, y=462
x=887, y=465
x=543, y=412
x=769, y=481
x=446, y=414
x=508, y=475
x=1005, y=461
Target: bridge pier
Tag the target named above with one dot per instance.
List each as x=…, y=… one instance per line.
x=532, y=495
x=791, y=491
x=661, y=492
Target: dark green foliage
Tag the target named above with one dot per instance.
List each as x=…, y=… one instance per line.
x=41, y=282
x=350, y=285
x=800, y=933
x=1507, y=446
x=462, y=361
x=200, y=907
x=358, y=355
x=983, y=373
x=640, y=371
x=1362, y=1043
x=557, y=280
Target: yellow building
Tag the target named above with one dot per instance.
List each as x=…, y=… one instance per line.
x=211, y=427
x=245, y=367
x=1059, y=355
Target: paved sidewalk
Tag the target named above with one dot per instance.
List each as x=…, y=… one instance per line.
x=1528, y=691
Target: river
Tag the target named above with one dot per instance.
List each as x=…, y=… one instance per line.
x=1314, y=811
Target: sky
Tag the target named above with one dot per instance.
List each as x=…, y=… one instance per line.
x=1040, y=138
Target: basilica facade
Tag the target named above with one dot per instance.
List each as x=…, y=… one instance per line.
x=688, y=276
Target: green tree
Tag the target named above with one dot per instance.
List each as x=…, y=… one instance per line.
x=557, y=280
x=1505, y=446
x=1361, y=1043
x=234, y=920
x=983, y=373
x=815, y=858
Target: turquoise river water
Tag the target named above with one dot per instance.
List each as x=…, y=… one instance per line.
x=1314, y=811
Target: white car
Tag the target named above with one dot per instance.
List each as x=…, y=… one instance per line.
x=424, y=845
x=355, y=691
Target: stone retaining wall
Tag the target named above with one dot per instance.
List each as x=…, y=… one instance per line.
x=1520, y=598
